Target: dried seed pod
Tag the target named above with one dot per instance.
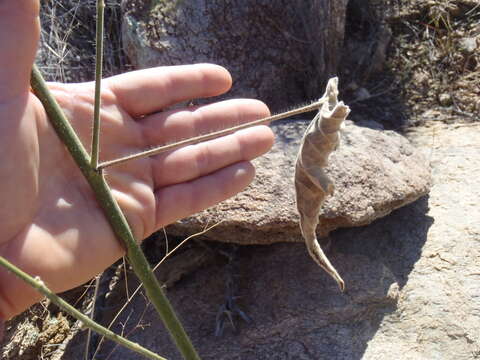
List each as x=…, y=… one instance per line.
x=312, y=185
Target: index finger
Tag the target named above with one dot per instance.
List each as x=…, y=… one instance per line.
x=147, y=91
x=19, y=33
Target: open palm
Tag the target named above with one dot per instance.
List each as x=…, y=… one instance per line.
x=50, y=222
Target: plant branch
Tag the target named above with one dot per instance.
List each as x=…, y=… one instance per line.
x=92, y=316
x=38, y=284
x=98, y=83
x=113, y=213
x=131, y=297
x=160, y=149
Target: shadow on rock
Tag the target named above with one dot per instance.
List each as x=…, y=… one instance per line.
x=297, y=310
x=396, y=240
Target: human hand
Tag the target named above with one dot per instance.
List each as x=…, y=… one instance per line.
x=50, y=223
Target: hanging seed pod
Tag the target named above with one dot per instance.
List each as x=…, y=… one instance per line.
x=312, y=185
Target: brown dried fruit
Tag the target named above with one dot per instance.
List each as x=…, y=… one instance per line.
x=312, y=185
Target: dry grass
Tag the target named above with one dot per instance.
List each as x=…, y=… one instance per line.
x=435, y=55
x=430, y=69
x=67, y=45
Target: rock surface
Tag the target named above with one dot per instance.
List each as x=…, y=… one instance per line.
x=374, y=172
x=266, y=45
x=413, y=283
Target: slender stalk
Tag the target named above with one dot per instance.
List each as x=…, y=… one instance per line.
x=96, y=130
x=160, y=149
x=114, y=215
x=131, y=297
x=38, y=284
x=92, y=316
x=98, y=83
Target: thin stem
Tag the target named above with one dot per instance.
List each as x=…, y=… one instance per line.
x=160, y=149
x=130, y=298
x=114, y=215
x=98, y=83
x=92, y=316
x=38, y=284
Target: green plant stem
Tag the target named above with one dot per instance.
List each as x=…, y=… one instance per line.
x=160, y=149
x=131, y=297
x=113, y=214
x=96, y=129
x=92, y=316
x=38, y=284
x=98, y=83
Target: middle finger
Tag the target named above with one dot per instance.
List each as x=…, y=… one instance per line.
x=196, y=160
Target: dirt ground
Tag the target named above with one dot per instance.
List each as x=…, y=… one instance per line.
x=418, y=66
x=417, y=61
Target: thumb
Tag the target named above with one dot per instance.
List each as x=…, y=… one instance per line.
x=19, y=34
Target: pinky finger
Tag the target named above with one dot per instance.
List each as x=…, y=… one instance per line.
x=181, y=200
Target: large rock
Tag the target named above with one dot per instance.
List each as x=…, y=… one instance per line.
x=293, y=315
x=374, y=172
x=412, y=280
x=281, y=52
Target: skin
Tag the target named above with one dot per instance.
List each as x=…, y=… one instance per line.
x=51, y=225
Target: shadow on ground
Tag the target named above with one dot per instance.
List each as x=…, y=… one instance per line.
x=297, y=310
